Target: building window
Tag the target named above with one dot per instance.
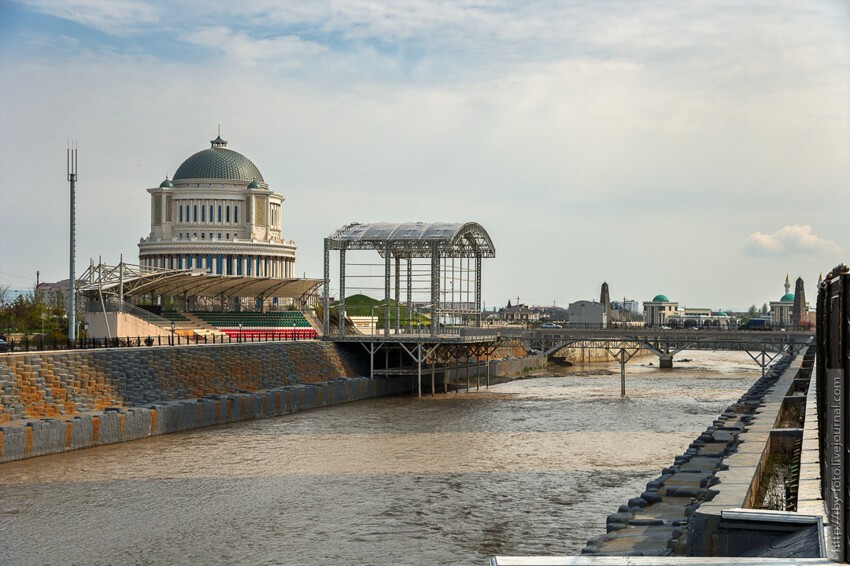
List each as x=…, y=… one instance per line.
x=228, y=215
x=203, y=236
x=219, y=235
x=227, y=236
x=219, y=213
x=236, y=214
x=203, y=213
x=210, y=235
x=195, y=213
x=181, y=214
x=211, y=213
x=195, y=235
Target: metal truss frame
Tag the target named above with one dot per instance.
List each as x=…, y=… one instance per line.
x=436, y=242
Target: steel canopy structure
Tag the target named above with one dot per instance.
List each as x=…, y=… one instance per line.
x=127, y=280
x=440, y=262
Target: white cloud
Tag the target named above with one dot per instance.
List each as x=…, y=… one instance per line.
x=113, y=17
x=288, y=50
x=796, y=239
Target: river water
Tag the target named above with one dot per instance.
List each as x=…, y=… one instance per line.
x=532, y=466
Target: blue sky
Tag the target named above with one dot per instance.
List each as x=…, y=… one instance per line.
x=695, y=149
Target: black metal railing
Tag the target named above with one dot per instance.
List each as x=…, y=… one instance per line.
x=833, y=399
x=43, y=343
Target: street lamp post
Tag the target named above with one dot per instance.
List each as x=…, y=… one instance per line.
x=172, y=333
x=85, y=331
x=8, y=308
x=240, y=333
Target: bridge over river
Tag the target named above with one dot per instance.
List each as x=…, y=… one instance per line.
x=624, y=343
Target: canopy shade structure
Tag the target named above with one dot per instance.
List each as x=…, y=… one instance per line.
x=439, y=262
x=415, y=239
x=133, y=280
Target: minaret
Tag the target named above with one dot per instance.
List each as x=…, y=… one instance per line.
x=820, y=279
x=798, y=314
x=787, y=284
x=605, y=299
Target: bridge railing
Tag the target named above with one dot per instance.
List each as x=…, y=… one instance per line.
x=833, y=400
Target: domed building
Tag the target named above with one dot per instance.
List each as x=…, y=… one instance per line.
x=658, y=310
x=781, y=310
x=218, y=214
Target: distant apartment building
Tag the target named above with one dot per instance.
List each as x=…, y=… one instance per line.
x=587, y=314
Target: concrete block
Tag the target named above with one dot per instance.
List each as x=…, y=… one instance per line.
x=81, y=432
x=189, y=415
x=137, y=423
x=47, y=437
x=14, y=442
x=109, y=432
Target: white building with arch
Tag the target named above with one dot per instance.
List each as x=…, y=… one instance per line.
x=218, y=213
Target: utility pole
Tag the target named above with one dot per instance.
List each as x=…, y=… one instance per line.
x=71, y=160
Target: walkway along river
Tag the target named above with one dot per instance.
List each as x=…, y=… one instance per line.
x=532, y=466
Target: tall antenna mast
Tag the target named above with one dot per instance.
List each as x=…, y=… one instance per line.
x=71, y=159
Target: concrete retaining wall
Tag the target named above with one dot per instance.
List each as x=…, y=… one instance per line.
x=50, y=436
x=53, y=384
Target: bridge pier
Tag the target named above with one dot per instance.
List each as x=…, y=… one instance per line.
x=665, y=361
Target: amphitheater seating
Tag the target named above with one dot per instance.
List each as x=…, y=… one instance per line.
x=280, y=325
x=174, y=316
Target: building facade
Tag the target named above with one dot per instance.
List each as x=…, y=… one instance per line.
x=218, y=214
x=658, y=309
x=781, y=310
x=587, y=314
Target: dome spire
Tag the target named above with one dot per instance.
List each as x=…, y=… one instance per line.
x=218, y=141
x=787, y=284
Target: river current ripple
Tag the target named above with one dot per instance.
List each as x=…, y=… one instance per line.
x=531, y=466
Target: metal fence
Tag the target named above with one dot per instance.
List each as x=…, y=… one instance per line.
x=833, y=372
x=42, y=343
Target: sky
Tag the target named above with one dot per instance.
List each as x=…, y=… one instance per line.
x=695, y=149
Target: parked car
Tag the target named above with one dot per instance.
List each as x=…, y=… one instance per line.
x=4, y=346
x=550, y=325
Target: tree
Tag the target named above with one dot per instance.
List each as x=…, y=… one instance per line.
x=764, y=309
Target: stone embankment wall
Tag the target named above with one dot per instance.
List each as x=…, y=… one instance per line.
x=50, y=436
x=680, y=511
x=53, y=384
x=56, y=401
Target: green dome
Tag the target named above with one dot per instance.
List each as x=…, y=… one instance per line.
x=660, y=299
x=787, y=298
x=254, y=184
x=166, y=184
x=218, y=162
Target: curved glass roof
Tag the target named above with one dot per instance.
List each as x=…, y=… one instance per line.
x=415, y=239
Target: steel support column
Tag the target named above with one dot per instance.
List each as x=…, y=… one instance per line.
x=341, y=309
x=478, y=289
x=435, y=288
x=409, y=296
x=326, y=302
x=387, y=307
x=397, y=295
